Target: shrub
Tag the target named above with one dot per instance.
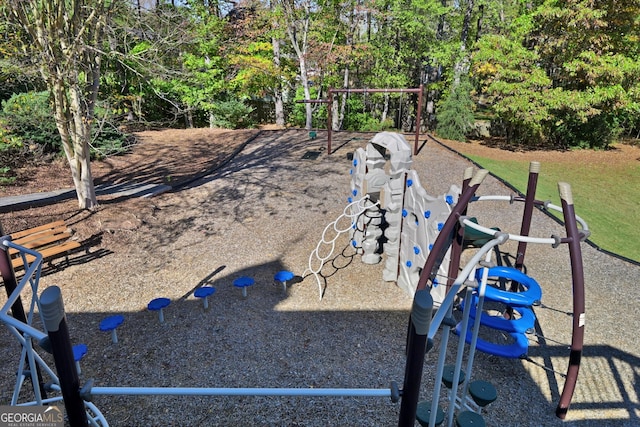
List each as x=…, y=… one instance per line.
x=455, y=115
x=29, y=119
x=232, y=114
x=11, y=154
x=28, y=116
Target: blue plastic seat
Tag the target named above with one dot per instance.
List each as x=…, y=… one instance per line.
x=283, y=277
x=110, y=324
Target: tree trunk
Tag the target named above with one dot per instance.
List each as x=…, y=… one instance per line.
x=462, y=65
x=335, y=116
x=298, y=30
x=343, y=105
x=479, y=22
x=304, y=80
x=277, y=91
x=385, y=107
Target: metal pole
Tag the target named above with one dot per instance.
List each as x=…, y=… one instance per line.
x=55, y=322
x=577, y=274
x=458, y=236
x=534, y=170
x=443, y=240
x=221, y=391
x=329, y=119
x=418, y=121
x=10, y=281
x=419, y=324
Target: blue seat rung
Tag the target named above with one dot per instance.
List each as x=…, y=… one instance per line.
x=516, y=350
x=524, y=324
x=531, y=296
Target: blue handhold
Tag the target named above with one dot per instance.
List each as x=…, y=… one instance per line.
x=409, y=264
x=409, y=182
x=355, y=162
x=427, y=214
x=111, y=322
x=430, y=246
x=435, y=283
x=354, y=192
x=204, y=291
x=283, y=276
x=440, y=226
x=404, y=213
x=350, y=200
x=350, y=171
x=79, y=351
x=416, y=250
x=158, y=304
x=244, y=281
x=449, y=199
x=354, y=244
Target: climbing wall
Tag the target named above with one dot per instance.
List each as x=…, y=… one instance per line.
x=412, y=219
x=423, y=216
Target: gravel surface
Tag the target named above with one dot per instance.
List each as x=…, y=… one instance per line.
x=264, y=212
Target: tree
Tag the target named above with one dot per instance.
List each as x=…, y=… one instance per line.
x=66, y=36
x=297, y=17
x=566, y=74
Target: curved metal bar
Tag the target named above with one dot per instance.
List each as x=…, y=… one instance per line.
x=577, y=275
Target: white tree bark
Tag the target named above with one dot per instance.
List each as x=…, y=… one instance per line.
x=298, y=31
x=277, y=92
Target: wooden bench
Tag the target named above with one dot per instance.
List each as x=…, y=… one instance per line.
x=51, y=240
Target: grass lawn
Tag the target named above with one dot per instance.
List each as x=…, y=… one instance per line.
x=606, y=195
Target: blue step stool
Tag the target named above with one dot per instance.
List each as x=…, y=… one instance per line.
x=243, y=283
x=110, y=324
x=79, y=351
x=159, y=304
x=204, y=293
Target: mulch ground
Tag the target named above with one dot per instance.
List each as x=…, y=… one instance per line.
x=264, y=211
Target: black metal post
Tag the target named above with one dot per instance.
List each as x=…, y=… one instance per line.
x=55, y=321
x=419, y=324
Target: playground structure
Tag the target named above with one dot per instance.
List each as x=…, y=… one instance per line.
x=447, y=245
x=390, y=192
x=425, y=237
x=472, y=279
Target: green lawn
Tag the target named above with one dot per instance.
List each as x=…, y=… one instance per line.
x=606, y=196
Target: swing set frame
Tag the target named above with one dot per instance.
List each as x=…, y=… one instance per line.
x=332, y=91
